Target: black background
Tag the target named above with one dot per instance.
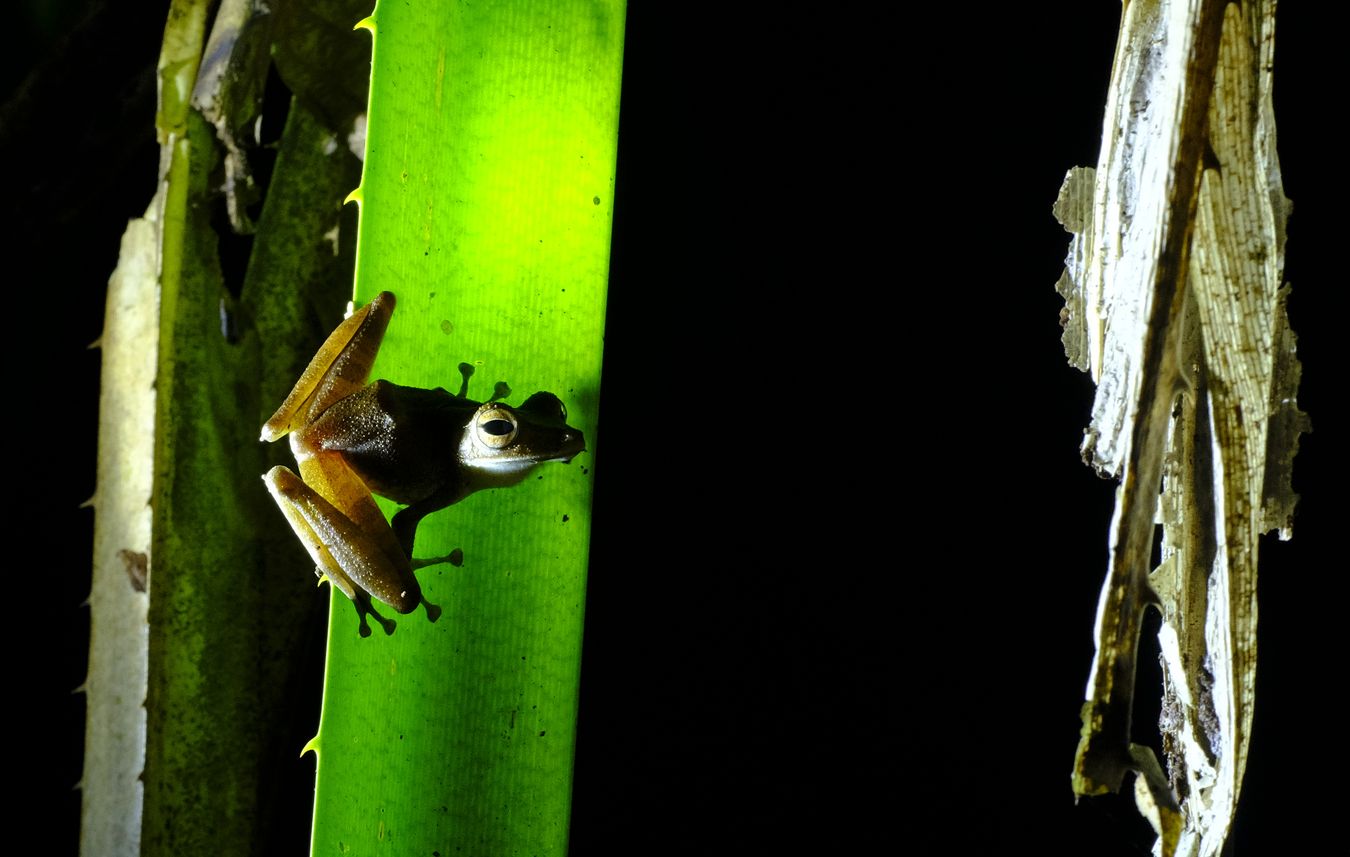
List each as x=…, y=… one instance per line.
x=845, y=558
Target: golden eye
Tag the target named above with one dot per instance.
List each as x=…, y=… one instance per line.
x=496, y=427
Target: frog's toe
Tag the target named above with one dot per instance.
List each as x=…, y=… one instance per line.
x=363, y=609
x=433, y=612
x=387, y=624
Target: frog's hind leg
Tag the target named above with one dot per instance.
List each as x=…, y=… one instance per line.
x=343, y=536
x=332, y=477
x=340, y=368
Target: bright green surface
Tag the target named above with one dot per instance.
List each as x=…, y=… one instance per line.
x=487, y=204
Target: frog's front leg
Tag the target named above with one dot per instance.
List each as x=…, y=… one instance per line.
x=333, y=514
x=404, y=526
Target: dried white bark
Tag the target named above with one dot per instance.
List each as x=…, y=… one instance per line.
x=1174, y=304
x=118, y=630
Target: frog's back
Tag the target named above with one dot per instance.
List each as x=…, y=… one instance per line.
x=402, y=441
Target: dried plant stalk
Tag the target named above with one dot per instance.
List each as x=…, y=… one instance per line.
x=1174, y=303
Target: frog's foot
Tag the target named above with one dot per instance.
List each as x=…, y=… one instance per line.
x=455, y=558
x=365, y=608
x=433, y=612
x=465, y=373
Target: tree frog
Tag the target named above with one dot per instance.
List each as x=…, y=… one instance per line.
x=426, y=449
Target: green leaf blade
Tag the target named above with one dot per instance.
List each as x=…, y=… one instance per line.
x=486, y=208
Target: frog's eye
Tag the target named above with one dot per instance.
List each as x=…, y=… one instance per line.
x=496, y=427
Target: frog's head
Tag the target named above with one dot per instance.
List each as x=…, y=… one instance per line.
x=501, y=444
